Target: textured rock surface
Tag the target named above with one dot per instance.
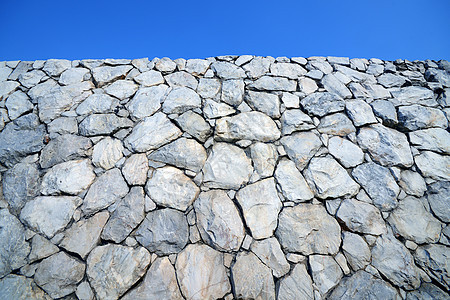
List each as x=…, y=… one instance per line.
x=297, y=284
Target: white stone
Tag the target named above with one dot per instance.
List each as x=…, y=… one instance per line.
x=107, y=152
x=292, y=182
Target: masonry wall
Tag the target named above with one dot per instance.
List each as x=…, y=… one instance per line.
x=234, y=177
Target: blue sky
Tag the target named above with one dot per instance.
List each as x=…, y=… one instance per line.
x=80, y=29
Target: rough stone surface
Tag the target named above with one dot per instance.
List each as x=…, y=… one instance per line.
x=361, y=217
x=322, y=103
x=434, y=259
x=433, y=165
x=297, y=284
x=347, y=153
x=301, y=147
x=135, y=169
x=264, y=158
x=20, y=287
x=180, y=100
x=146, y=101
x=433, y=139
x=103, y=124
x=270, y=253
x=292, y=182
x=437, y=195
x=355, y=250
x=107, y=152
x=325, y=271
x=64, y=148
x=336, y=124
x=295, y=120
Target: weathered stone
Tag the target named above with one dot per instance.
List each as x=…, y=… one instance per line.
x=182, y=153
x=347, y=153
x=149, y=78
x=389, y=80
x=427, y=291
x=251, y=278
x=59, y=274
x=433, y=165
x=264, y=157
x=438, y=194
x=297, y=284
x=260, y=205
x=49, y=215
x=270, y=253
x=208, y=87
x=267, y=83
x=266, y=103
x=121, y=89
x=20, y=287
x=387, y=146
x=308, y=229
x=13, y=247
x=395, y=262
x=73, y=75
x=64, y=148
x=355, y=75
x=104, y=75
x=333, y=85
x=180, y=100
x=379, y=184
x=386, y=111
x=103, y=124
x=135, y=169
x=106, y=190
x=413, y=95
x=301, y=147
x=367, y=90
x=433, y=139
x=160, y=282
x=55, y=67
x=227, y=70
x=7, y=88
x=361, y=217
x=360, y=112
x=295, y=120
x=412, y=183
x=307, y=85
x=325, y=271
x=197, y=66
x=63, y=125
x=233, y=91
x=164, y=231
x=213, y=109
x=415, y=117
x=247, y=126
x=169, y=187
x=195, y=125
x=152, y=133
x=69, y=177
x=289, y=70
x=201, y=273
x=107, y=152
x=165, y=64
x=41, y=248
x=218, y=221
x=322, y=103
x=113, y=269
x=292, y=182
x=227, y=167
x=181, y=79
x=18, y=104
x=336, y=124
x=434, y=259
x=84, y=291
x=258, y=66
x=355, y=250
x=97, y=104
x=328, y=179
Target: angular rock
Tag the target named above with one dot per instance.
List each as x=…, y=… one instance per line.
x=63, y=125
x=55, y=67
x=427, y=291
x=395, y=262
x=413, y=95
x=197, y=66
x=103, y=124
x=152, y=133
x=180, y=100
x=135, y=169
x=49, y=215
x=267, y=83
x=325, y=271
x=73, y=75
x=7, y=88
x=227, y=70
x=218, y=221
x=336, y=124
x=233, y=91
x=18, y=104
x=308, y=229
x=355, y=250
x=412, y=183
x=201, y=273
x=260, y=205
x=195, y=125
x=270, y=253
x=251, y=278
x=64, y=148
x=13, y=247
x=389, y=80
x=264, y=158
x=307, y=85
x=213, y=109
x=347, y=153
x=433, y=165
x=292, y=182
x=386, y=111
x=258, y=66
x=113, y=269
x=183, y=153
x=266, y=103
x=106, y=190
x=69, y=177
x=97, y=104
x=295, y=120
x=437, y=195
x=361, y=217
x=164, y=231
x=322, y=103
x=107, y=152
x=169, y=187
x=149, y=78
x=104, y=75
x=328, y=179
x=433, y=139
x=84, y=291
x=208, y=87
x=227, y=167
x=333, y=85
x=165, y=64
x=20, y=287
x=289, y=70
x=355, y=75
x=297, y=284
x=386, y=146
x=59, y=274
x=360, y=112
x=181, y=79
x=367, y=90
x=301, y=147
x=253, y=125
x=434, y=259
x=415, y=117
x=41, y=248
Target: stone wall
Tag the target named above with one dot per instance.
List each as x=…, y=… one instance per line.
x=230, y=177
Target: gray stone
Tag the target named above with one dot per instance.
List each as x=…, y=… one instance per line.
x=433, y=139
x=308, y=229
x=63, y=125
x=201, y=273
x=180, y=100
x=266, y=103
x=163, y=231
x=333, y=85
x=319, y=64
x=195, y=125
x=97, y=104
x=292, y=182
x=258, y=66
x=386, y=146
x=20, y=287
x=260, y=205
x=297, y=284
x=413, y=183
x=197, y=66
x=433, y=165
x=165, y=64
x=18, y=104
x=84, y=235
x=434, y=259
x=84, y=291
x=73, y=75
x=213, y=109
x=69, y=177
x=218, y=221
x=226, y=70
x=233, y=91
x=152, y=133
x=160, y=282
x=325, y=271
x=13, y=247
x=367, y=90
x=336, y=124
x=328, y=179
x=4, y=73
x=395, y=262
x=322, y=103
x=363, y=285
x=41, y=248
x=360, y=112
x=59, y=274
x=289, y=70
x=435, y=75
x=379, y=184
x=128, y=214
x=264, y=158
x=389, y=80
x=413, y=95
x=355, y=250
x=7, y=88
x=361, y=217
x=295, y=120
x=149, y=78
x=208, y=87
x=55, y=67
x=104, y=75
x=103, y=124
x=107, y=152
x=267, y=83
x=113, y=269
x=355, y=75
x=307, y=85
x=41, y=89
x=415, y=117
x=375, y=69
x=169, y=187
x=253, y=125
x=438, y=194
x=427, y=291
x=64, y=148
x=251, y=278
x=106, y=190
x=20, y=184
x=301, y=147
x=49, y=215
x=181, y=79
x=135, y=169
x=270, y=253
x=121, y=89
x=347, y=153
x=386, y=111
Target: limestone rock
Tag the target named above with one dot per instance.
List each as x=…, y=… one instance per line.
x=55, y=67
x=433, y=165
x=295, y=120
x=292, y=182
x=270, y=253
x=434, y=259
x=260, y=205
x=197, y=66
x=103, y=124
x=195, y=125
x=18, y=104
x=264, y=158
x=49, y=215
x=169, y=187
x=355, y=250
x=361, y=217
x=232, y=91
x=333, y=85
x=289, y=70
x=413, y=95
x=415, y=117
x=336, y=124
x=326, y=272
x=181, y=79
x=427, y=291
x=97, y=104
x=412, y=183
x=433, y=139
x=386, y=111
x=322, y=103
x=347, y=153
x=41, y=248
x=59, y=274
x=360, y=112
x=258, y=66
x=113, y=269
x=213, y=109
x=64, y=148
x=308, y=229
x=146, y=101
x=63, y=125
x=227, y=70
x=301, y=147
x=201, y=273
x=389, y=80
x=20, y=287
x=164, y=231
x=266, y=103
x=267, y=83
x=208, y=87
x=149, y=78
x=227, y=167
x=104, y=75
x=73, y=75
x=107, y=152
x=135, y=169
x=180, y=100
x=297, y=284
x=218, y=221
x=437, y=195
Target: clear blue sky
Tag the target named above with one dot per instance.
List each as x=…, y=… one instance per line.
x=386, y=29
